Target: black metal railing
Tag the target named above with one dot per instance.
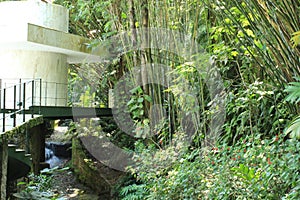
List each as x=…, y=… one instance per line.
x=54, y=94
x=16, y=96
x=15, y=99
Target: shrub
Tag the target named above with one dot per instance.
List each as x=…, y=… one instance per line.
x=251, y=169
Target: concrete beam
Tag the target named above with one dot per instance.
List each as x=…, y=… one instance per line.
x=60, y=112
x=32, y=37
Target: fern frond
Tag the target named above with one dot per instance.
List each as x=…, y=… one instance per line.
x=294, y=129
x=134, y=192
x=294, y=91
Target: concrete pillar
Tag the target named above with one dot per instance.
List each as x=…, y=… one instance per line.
x=37, y=147
x=3, y=166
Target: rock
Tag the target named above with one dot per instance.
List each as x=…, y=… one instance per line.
x=88, y=197
x=44, y=165
x=61, y=149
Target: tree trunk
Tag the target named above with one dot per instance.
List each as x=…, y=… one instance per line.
x=145, y=55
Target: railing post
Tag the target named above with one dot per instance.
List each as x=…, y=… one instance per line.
x=20, y=94
x=46, y=89
x=4, y=99
x=15, y=102
x=32, y=94
x=40, y=95
x=56, y=94
x=24, y=101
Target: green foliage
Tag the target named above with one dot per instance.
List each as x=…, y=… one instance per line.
x=251, y=169
x=73, y=89
x=229, y=43
x=296, y=38
x=137, y=110
x=89, y=18
x=272, y=52
x=39, y=186
x=134, y=192
x=293, y=129
x=256, y=109
x=244, y=172
x=293, y=90
x=136, y=103
x=82, y=92
x=254, y=44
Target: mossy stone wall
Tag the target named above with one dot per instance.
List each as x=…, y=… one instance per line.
x=92, y=173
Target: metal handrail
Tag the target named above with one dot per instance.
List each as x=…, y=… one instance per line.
x=17, y=98
x=22, y=106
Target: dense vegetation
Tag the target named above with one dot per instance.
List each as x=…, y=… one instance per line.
x=250, y=107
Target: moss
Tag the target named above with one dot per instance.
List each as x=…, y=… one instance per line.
x=86, y=169
x=91, y=172
x=26, y=125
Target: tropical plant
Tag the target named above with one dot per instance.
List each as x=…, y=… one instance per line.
x=254, y=46
x=293, y=90
x=272, y=24
x=296, y=38
x=39, y=186
x=251, y=169
x=257, y=109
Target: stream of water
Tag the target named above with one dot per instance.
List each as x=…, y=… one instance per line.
x=54, y=160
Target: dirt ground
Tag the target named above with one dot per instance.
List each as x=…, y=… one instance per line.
x=66, y=185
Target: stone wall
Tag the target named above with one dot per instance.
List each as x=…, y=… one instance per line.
x=91, y=172
x=3, y=166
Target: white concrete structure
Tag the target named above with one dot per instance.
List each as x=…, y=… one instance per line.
x=35, y=44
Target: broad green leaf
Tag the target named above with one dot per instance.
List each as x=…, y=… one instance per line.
x=140, y=100
x=21, y=183
x=148, y=98
x=294, y=92
x=294, y=129
x=136, y=90
x=142, y=112
x=123, y=15
x=296, y=38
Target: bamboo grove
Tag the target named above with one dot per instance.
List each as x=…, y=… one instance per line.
x=253, y=46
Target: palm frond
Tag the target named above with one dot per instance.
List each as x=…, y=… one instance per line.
x=293, y=89
x=294, y=129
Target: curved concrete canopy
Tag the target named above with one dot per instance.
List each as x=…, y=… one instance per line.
x=36, y=38
x=41, y=26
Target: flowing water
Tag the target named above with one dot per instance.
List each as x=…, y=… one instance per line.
x=52, y=159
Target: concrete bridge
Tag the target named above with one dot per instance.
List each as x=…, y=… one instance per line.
x=35, y=51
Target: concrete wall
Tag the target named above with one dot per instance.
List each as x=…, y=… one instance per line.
x=35, y=12
x=25, y=62
x=50, y=67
